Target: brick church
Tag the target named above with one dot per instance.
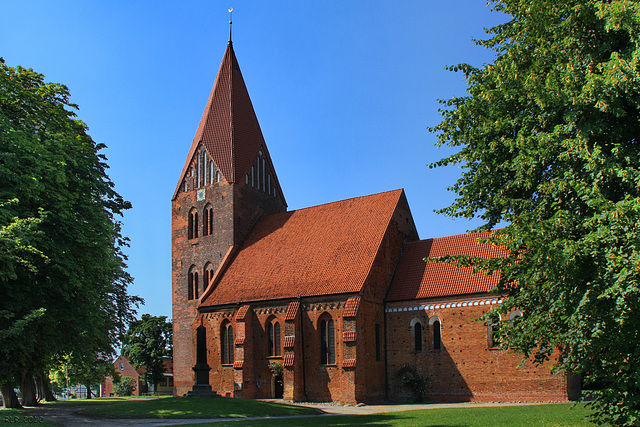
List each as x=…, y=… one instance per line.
x=336, y=297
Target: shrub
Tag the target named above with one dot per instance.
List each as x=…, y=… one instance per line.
x=413, y=380
x=125, y=387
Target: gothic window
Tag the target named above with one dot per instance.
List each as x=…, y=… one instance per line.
x=226, y=332
x=192, y=283
x=437, y=338
x=207, y=220
x=378, y=343
x=203, y=165
x=263, y=172
x=192, y=224
x=218, y=176
x=208, y=275
x=327, y=342
x=212, y=174
x=273, y=332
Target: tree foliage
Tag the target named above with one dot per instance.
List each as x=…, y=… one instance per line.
x=145, y=344
x=548, y=142
x=63, y=280
x=125, y=386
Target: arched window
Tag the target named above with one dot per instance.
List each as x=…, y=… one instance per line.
x=192, y=224
x=192, y=283
x=207, y=221
x=208, y=275
x=417, y=336
x=327, y=342
x=514, y=314
x=226, y=332
x=437, y=338
x=273, y=332
x=204, y=167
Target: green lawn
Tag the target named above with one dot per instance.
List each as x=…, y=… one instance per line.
x=194, y=407
x=180, y=407
x=556, y=415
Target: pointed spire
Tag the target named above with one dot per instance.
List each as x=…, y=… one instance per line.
x=229, y=128
x=230, y=23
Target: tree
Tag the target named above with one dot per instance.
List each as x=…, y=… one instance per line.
x=65, y=287
x=548, y=142
x=145, y=344
x=88, y=370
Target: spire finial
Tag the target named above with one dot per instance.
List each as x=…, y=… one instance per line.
x=230, y=22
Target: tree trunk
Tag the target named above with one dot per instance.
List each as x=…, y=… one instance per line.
x=88, y=391
x=43, y=388
x=9, y=397
x=28, y=389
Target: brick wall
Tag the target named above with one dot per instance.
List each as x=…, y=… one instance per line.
x=127, y=371
x=236, y=208
x=465, y=368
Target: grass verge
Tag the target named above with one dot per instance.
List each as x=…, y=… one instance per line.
x=194, y=407
x=555, y=415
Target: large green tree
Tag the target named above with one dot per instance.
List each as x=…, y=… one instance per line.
x=548, y=141
x=65, y=289
x=145, y=344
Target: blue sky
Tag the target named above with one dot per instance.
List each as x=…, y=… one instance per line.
x=344, y=92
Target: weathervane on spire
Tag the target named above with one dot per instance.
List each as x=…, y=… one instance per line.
x=230, y=22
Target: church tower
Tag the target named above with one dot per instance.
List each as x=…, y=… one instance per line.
x=227, y=183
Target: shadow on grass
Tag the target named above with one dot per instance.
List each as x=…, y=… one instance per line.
x=195, y=407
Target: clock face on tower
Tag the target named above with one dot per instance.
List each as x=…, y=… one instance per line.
x=201, y=194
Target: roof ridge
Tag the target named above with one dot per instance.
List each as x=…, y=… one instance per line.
x=344, y=200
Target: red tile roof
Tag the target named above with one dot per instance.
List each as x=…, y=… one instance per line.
x=242, y=312
x=349, y=336
x=349, y=363
x=322, y=250
x=289, y=341
x=229, y=128
x=292, y=310
x=351, y=307
x=416, y=279
x=288, y=360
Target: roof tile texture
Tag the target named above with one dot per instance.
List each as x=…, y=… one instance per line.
x=289, y=341
x=417, y=279
x=229, y=128
x=322, y=250
x=351, y=307
x=349, y=363
x=242, y=312
x=292, y=310
x=288, y=360
x=349, y=336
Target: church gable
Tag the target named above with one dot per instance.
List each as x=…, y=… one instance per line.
x=231, y=134
x=201, y=171
x=322, y=250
